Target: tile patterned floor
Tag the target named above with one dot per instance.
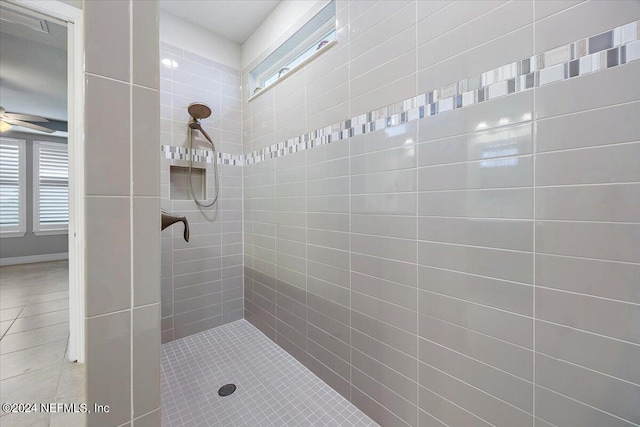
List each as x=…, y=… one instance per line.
x=274, y=389
x=34, y=334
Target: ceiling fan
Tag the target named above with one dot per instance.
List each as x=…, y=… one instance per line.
x=7, y=119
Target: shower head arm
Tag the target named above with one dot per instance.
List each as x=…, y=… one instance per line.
x=206, y=135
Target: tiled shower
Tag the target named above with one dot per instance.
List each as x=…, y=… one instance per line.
x=439, y=216
x=201, y=279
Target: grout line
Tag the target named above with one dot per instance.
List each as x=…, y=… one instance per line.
x=534, y=139
x=131, y=217
x=590, y=147
x=64, y=360
x=595, y=371
x=491, y=337
x=37, y=345
x=609, y=337
x=588, y=110
x=586, y=404
x=582, y=294
x=475, y=388
x=466, y=356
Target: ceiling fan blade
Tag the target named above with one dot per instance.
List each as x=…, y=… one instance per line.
x=26, y=117
x=27, y=125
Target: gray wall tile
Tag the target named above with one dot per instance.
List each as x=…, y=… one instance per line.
x=495, y=382
x=146, y=359
x=589, y=203
x=617, y=397
x=614, y=320
x=612, y=357
x=385, y=333
x=107, y=102
x=432, y=231
x=109, y=344
x=382, y=394
x=145, y=46
x=616, y=86
x=146, y=250
x=399, y=384
x=507, y=357
x=145, y=165
x=108, y=254
x=586, y=276
x=107, y=44
x=594, y=18
x=492, y=203
x=617, y=242
x=485, y=406
x=547, y=8
x=561, y=410
x=501, y=264
x=203, y=272
x=593, y=165
x=486, y=27
x=505, y=295
x=515, y=235
x=501, y=142
x=478, y=318
x=615, y=124
x=502, y=50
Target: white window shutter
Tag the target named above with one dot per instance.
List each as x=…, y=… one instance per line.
x=12, y=187
x=52, y=196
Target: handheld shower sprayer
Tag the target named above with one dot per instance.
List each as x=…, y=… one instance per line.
x=199, y=111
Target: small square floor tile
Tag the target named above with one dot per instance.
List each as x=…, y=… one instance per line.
x=273, y=388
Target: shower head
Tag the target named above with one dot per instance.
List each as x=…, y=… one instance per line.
x=198, y=110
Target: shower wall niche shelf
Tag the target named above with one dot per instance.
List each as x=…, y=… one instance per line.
x=179, y=182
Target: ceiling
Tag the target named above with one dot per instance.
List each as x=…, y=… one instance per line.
x=33, y=70
x=234, y=20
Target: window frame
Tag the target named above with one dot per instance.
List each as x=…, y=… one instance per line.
x=318, y=30
x=21, y=229
x=47, y=229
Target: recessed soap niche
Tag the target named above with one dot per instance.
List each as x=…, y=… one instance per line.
x=179, y=183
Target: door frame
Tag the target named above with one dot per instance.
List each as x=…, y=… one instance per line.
x=74, y=18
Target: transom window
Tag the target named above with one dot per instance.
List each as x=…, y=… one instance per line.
x=307, y=43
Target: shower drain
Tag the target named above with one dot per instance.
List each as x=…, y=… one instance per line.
x=227, y=389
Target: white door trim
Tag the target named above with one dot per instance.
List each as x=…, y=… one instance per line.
x=75, y=100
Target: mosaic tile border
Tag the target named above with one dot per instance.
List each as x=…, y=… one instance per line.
x=609, y=49
x=202, y=156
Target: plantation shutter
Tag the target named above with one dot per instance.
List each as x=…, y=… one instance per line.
x=53, y=186
x=11, y=197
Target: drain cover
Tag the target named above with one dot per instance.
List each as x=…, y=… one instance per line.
x=227, y=389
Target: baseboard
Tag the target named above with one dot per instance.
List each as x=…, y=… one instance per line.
x=33, y=258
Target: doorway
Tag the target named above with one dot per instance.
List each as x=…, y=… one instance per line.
x=41, y=256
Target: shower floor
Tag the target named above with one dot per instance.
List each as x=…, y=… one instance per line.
x=273, y=389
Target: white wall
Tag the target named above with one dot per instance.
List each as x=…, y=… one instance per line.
x=279, y=22
x=178, y=32
x=74, y=3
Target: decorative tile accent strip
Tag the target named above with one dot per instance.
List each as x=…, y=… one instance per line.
x=202, y=156
x=592, y=54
